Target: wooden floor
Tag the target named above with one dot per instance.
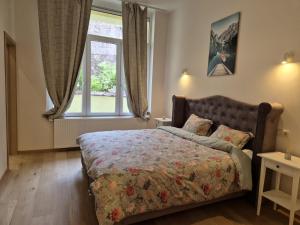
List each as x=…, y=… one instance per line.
x=50, y=189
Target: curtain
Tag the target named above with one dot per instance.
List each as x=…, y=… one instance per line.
x=135, y=57
x=63, y=30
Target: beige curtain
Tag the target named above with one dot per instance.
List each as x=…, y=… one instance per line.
x=63, y=30
x=135, y=57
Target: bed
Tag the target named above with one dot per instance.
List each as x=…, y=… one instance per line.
x=142, y=174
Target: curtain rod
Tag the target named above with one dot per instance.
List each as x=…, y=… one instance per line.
x=144, y=5
x=107, y=10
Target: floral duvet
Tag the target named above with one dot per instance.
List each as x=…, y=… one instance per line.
x=141, y=171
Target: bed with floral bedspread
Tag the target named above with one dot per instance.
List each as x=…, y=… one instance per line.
x=141, y=171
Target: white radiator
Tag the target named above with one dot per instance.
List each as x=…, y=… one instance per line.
x=67, y=130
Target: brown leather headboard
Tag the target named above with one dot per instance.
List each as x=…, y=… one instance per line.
x=261, y=120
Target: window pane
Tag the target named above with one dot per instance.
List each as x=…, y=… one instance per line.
x=105, y=24
x=76, y=105
x=103, y=77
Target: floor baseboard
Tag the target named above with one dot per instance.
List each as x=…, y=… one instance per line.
x=49, y=150
x=4, y=174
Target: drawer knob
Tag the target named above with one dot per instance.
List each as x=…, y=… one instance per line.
x=277, y=166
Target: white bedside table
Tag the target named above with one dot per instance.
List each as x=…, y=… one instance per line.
x=276, y=162
x=162, y=122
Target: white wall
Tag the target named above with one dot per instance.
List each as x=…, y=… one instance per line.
x=35, y=132
x=6, y=24
x=268, y=29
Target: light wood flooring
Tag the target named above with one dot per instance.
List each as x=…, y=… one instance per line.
x=50, y=189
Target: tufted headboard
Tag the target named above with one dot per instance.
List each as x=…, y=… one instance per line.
x=261, y=120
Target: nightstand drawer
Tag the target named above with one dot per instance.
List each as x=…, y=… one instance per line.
x=278, y=167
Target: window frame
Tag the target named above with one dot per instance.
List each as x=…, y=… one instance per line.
x=120, y=77
x=118, y=44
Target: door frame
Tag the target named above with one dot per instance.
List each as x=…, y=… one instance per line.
x=10, y=43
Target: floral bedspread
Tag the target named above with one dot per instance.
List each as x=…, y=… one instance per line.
x=141, y=171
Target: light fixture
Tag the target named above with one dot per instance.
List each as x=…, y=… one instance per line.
x=288, y=58
x=185, y=72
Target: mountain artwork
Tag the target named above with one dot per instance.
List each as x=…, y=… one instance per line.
x=223, y=46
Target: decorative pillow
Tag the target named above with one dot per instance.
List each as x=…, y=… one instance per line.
x=197, y=125
x=236, y=137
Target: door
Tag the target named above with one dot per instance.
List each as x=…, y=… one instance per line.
x=11, y=94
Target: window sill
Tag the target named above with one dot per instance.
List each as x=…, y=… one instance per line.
x=96, y=117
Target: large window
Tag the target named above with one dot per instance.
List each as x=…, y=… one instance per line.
x=101, y=89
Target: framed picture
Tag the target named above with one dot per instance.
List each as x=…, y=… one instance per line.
x=223, y=46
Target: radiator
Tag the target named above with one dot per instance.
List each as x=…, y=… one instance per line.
x=67, y=130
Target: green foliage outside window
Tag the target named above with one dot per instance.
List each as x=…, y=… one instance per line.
x=105, y=78
x=103, y=81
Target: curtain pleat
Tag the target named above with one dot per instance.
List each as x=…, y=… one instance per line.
x=135, y=57
x=63, y=30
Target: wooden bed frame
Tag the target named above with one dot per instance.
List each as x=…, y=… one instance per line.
x=262, y=120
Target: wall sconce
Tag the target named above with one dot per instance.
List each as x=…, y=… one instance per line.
x=288, y=57
x=185, y=72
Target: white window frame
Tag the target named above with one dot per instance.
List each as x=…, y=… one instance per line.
x=150, y=49
x=118, y=100
x=86, y=64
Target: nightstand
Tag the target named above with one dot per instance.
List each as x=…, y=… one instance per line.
x=162, y=122
x=276, y=162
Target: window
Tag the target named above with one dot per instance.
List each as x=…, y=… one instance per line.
x=100, y=88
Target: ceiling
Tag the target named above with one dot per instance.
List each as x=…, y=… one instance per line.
x=168, y=5
x=163, y=4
